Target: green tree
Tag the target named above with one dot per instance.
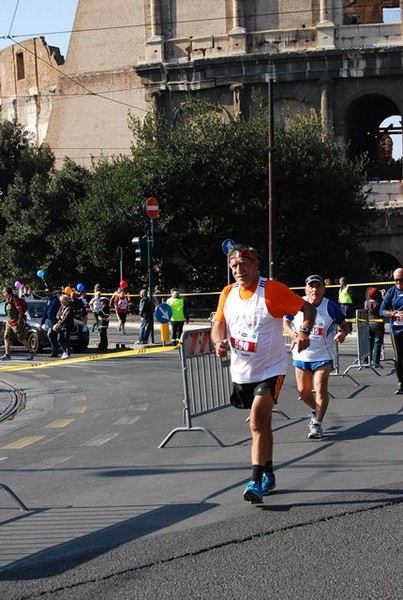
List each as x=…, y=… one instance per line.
x=209, y=176
x=321, y=207
x=24, y=174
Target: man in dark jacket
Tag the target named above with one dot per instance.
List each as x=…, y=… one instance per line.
x=146, y=314
x=392, y=308
x=49, y=317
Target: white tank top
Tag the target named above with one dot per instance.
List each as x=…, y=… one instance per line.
x=322, y=344
x=256, y=338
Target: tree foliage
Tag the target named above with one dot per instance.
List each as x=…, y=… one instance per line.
x=210, y=175
x=321, y=205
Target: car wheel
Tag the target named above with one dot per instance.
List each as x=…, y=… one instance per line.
x=33, y=341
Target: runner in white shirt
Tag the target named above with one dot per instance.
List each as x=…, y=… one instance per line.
x=249, y=320
x=313, y=365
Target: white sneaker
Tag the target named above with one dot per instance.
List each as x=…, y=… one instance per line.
x=315, y=431
x=65, y=355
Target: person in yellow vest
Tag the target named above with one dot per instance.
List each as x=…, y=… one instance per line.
x=180, y=315
x=345, y=300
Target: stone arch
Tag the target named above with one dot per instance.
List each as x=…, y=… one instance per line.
x=362, y=120
x=384, y=261
x=178, y=109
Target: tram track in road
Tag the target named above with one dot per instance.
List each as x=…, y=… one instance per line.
x=12, y=400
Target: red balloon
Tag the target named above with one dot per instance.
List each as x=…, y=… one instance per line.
x=123, y=284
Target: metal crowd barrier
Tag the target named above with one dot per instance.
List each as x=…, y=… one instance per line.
x=207, y=381
x=363, y=360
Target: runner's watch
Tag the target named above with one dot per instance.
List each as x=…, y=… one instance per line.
x=305, y=330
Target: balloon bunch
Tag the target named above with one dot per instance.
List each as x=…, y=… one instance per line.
x=69, y=290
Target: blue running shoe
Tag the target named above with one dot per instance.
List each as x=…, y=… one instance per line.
x=253, y=493
x=268, y=483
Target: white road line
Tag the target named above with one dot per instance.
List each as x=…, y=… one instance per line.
x=100, y=440
x=48, y=463
x=126, y=421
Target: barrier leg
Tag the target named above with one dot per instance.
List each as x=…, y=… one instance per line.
x=14, y=497
x=188, y=427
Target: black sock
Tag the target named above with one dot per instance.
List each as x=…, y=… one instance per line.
x=268, y=468
x=257, y=473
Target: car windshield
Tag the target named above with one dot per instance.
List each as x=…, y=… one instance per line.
x=36, y=309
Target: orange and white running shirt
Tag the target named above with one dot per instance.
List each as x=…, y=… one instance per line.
x=254, y=322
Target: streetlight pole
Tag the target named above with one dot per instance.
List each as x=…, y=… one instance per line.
x=271, y=199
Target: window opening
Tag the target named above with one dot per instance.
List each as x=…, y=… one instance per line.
x=20, y=65
x=391, y=15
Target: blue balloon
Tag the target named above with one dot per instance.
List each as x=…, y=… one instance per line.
x=41, y=273
x=80, y=287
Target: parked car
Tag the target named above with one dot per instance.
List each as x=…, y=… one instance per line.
x=38, y=338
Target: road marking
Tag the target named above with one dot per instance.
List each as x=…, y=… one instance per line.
x=52, y=439
x=23, y=442
x=126, y=421
x=77, y=410
x=100, y=440
x=93, y=357
x=141, y=406
x=48, y=463
x=3, y=457
x=60, y=423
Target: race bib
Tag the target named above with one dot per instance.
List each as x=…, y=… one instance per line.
x=245, y=343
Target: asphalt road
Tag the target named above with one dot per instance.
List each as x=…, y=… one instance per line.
x=113, y=516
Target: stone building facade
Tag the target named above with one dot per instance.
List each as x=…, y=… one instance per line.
x=29, y=74
x=341, y=58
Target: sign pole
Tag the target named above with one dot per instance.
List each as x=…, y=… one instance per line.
x=150, y=243
x=152, y=210
x=227, y=246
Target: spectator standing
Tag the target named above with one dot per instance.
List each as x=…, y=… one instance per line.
x=15, y=324
x=84, y=300
x=146, y=314
x=314, y=364
x=64, y=324
x=95, y=306
x=180, y=315
x=103, y=324
x=121, y=303
x=26, y=293
x=392, y=308
x=249, y=320
x=50, y=317
x=345, y=299
x=376, y=325
x=78, y=306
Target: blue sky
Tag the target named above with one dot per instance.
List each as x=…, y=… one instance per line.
x=51, y=18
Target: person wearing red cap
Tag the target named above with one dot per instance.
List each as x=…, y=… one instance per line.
x=249, y=322
x=314, y=364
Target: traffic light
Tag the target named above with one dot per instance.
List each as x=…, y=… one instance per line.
x=139, y=244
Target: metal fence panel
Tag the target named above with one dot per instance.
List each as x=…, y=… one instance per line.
x=206, y=380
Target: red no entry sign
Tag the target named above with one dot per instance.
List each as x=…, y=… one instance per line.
x=152, y=208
